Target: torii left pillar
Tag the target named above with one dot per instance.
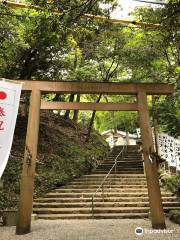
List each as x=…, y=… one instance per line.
x=27, y=179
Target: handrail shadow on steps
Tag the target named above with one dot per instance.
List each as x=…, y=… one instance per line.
x=121, y=153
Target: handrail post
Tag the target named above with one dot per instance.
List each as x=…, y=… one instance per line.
x=103, y=192
x=127, y=138
x=92, y=206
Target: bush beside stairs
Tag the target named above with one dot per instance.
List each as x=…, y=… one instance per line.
x=125, y=193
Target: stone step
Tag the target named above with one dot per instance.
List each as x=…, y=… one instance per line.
x=89, y=210
x=100, y=199
x=99, y=170
x=82, y=190
x=100, y=204
x=126, y=170
x=118, y=172
x=123, y=162
x=129, y=165
x=121, y=169
x=94, y=186
x=132, y=167
x=129, y=153
x=116, y=175
x=112, y=176
x=106, y=195
x=106, y=172
x=97, y=210
x=107, y=182
x=100, y=178
x=96, y=216
x=121, y=166
x=114, y=180
x=125, y=193
x=126, y=159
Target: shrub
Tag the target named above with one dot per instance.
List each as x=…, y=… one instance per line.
x=171, y=183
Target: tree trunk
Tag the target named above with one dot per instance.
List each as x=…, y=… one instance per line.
x=76, y=112
x=71, y=99
x=92, y=120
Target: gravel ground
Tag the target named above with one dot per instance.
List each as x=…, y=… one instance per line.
x=122, y=229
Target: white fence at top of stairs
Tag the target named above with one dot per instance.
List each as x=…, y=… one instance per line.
x=168, y=149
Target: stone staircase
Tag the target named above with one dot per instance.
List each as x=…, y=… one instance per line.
x=125, y=193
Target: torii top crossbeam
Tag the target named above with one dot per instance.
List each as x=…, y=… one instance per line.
x=97, y=17
x=97, y=87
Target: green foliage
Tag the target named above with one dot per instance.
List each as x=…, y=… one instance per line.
x=80, y=49
x=169, y=115
x=62, y=156
x=10, y=191
x=125, y=121
x=67, y=46
x=172, y=183
x=153, y=56
x=12, y=42
x=174, y=215
x=68, y=161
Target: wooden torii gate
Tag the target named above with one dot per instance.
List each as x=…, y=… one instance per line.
x=141, y=105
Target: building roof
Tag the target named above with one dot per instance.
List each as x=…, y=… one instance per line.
x=118, y=133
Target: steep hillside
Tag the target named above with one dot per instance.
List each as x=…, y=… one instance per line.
x=63, y=155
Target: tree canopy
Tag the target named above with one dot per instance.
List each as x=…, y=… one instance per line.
x=56, y=41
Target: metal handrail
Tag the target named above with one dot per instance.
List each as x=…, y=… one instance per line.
x=107, y=175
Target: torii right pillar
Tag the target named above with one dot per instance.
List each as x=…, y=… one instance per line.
x=155, y=200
